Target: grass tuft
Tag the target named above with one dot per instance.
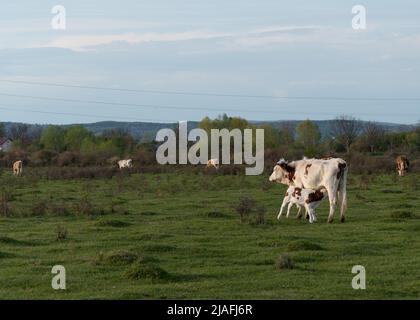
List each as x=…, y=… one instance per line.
x=284, y=261
x=302, y=245
x=145, y=270
x=120, y=257
x=398, y=215
x=113, y=223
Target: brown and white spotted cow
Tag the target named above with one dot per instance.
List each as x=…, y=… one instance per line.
x=315, y=174
x=402, y=165
x=309, y=199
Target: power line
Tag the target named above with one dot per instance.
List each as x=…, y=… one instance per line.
x=85, y=115
x=278, y=112
x=209, y=94
x=153, y=106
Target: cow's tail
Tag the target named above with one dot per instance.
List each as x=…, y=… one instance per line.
x=342, y=192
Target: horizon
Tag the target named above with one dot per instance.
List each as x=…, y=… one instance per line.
x=169, y=61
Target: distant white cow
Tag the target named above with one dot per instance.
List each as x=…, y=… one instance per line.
x=125, y=163
x=213, y=163
x=18, y=168
x=309, y=199
x=330, y=174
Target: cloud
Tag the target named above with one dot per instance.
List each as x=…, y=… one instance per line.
x=258, y=36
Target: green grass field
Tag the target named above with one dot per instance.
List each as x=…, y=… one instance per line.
x=177, y=236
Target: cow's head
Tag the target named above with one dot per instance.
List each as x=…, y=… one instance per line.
x=402, y=166
x=130, y=163
x=283, y=173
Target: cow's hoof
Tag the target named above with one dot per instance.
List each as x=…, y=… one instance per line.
x=330, y=221
x=342, y=219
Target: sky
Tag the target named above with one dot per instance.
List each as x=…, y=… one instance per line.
x=175, y=60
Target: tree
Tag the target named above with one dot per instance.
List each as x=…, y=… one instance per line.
x=271, y=136
x=20, y=132
x=53, y=138
x=345, y=130
x=308, y=135
x=374, y=135
x=2, y=130
x=74, y=136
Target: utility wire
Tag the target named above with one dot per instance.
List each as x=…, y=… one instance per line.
x=85, y=115
x=153, y=106
x=209, y=94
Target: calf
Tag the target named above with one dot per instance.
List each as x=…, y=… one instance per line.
x=309, y=199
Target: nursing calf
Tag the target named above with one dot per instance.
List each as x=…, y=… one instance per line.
x=309, y=199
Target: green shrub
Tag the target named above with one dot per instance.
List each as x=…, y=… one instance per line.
x=284, y=261
x=145, y=270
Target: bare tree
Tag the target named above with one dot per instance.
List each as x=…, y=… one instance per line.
x=374, y=135
x=345, y=129
x=19, y=131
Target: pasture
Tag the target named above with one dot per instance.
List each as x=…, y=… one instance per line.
x=178, y=236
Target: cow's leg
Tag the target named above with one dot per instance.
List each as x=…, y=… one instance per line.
x=283, y=205
x=299, y=213
x=289, y=207
x=306, y=214
x=310, y=213
x=332, y=196
x=342, y=197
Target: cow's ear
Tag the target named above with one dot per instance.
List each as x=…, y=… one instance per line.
x=287, y=167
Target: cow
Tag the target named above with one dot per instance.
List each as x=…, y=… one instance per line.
x=213, y=163
x=18, y=168
x=309, y=199
x=316, y=174
x=125, y=163
x=402, y=165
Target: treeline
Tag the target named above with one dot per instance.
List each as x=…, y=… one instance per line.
x=347, y=135
x=76, y=146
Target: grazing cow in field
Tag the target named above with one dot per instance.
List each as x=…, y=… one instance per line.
x=316, y=174
x=17, y=168
x=402, y=165
x=125, y=163
x=213, y=163
x=309, y=199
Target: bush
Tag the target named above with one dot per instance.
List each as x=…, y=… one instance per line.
x=86, y=208
x=61, y=233
x=284, y=261
x=301, y=245
x=42, y=157
x=245, y=206
x=5, y=210
x=399, y=215
x=39, y=207
x=145, y=270
x=119, y=257
x=113, y=223
x=67, y=158
x=260, y=215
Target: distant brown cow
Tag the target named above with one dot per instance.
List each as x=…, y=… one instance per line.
x=402, y=165
x=17, y=168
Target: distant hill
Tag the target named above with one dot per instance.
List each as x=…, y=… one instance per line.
x=146, y=131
